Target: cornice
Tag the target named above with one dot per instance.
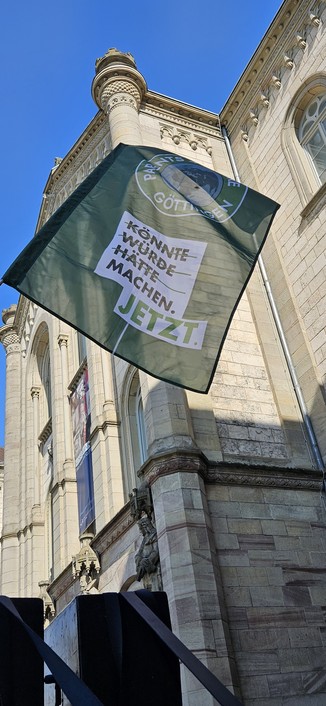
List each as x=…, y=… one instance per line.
x=59, y=171
x=91, y=129
x=280, y=49
x=160, y=106
x=46, y=432
x=78, y=375
x=174, y=461
x=264, y=476
x=112, y=532
x=62, y=583
x=180, y=113
x=224, y=473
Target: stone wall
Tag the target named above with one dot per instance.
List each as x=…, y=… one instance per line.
x=270, y=158
x=271, y=548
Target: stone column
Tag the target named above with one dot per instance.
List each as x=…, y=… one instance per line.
x=9, y=575
x=190, y=571
x=68, y=451
x=118, y=89
x=112, y=439
x=108, y=384
x=105, y=429
x=35, y=395
x=167, y=417
x=64, y=493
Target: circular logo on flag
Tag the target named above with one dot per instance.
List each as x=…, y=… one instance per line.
x=178, y=187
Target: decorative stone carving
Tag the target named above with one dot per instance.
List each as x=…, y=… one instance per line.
x=266, y=66
x=141, y=502
x=300, y=41
x=264, y=100
x=147, y=559
x=8, y=315
x=253, y=116
x=35, y=391
x=265, y=477
x=27, y=327
x=244, y=133
x=314, y=19
x=167, y=130
x=117, y=81
x=86, y=565
x=120, y=92
x=275, y=81
x=63, y=339
x=288, y=62
x=8, y=333
x=48, y=605
x=178, y=135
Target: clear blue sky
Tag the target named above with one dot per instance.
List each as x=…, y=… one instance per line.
x=195, y=52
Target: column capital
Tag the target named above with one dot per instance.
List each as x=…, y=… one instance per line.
x=63, y=340
x=35, y=391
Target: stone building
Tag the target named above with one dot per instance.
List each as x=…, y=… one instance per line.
x=1, y=484
x=228, y=516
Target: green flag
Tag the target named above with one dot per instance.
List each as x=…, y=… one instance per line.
x=149, y=258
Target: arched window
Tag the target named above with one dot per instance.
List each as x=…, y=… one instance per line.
x=312, y=133
x=140, y=422
x=134, y=431
x=42, y=374
x=304, y=138
x=46, y=380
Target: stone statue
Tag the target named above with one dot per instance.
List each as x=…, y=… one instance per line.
x=147, y=558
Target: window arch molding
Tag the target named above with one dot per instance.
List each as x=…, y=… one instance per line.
x=300, y=163
x=134, y=445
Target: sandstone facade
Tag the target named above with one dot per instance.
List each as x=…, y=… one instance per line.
x=235, y=480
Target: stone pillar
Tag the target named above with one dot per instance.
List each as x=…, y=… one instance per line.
x=68, y=451
x=118, y=89
x=108, y=384
x=190, y=571
x=64, y=493
x=35, y=395
x=167, y=417
x=9, y=575
x=105, y=430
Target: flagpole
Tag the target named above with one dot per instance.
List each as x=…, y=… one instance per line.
x=119, y=339
x=297, y=389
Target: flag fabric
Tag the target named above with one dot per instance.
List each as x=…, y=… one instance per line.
x=149, y=258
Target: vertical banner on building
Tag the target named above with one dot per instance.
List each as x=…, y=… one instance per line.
x=81, y=422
